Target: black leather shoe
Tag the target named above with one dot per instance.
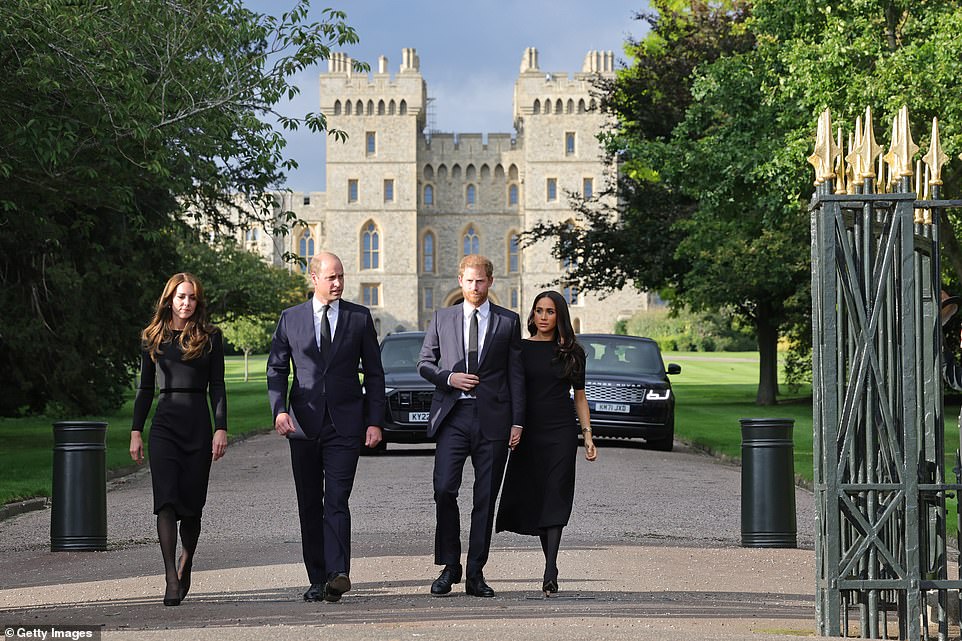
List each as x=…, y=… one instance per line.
x=315, y=592
x=450, y=575
x=475, y=586
x=337, y=585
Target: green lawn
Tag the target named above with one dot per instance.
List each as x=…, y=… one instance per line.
x=26, y=458
x=713, y=392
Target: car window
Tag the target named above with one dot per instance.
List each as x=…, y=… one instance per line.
x=623, y=357
x=401, y=354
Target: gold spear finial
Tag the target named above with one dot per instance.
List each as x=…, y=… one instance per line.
x=815, y=160
x=851, y=177
x=840, y=168
x=907, y=148
x=892, y=158
x=852, y=158
x=936, y=157
x=867, y=149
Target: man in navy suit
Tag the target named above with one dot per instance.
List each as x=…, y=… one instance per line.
x=472, y=354
x=326, y=416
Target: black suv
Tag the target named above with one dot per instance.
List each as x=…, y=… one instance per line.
x=628, y=389
x=408, y=395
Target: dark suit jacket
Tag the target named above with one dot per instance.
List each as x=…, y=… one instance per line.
x=330, y=384
x=500, y=392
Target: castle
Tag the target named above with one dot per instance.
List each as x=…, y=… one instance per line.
x=403, y=205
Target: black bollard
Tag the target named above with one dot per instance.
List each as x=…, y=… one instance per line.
x=768, y=483
x=78, y=519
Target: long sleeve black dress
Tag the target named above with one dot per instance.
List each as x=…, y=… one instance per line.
x=180, y=436
x=539, y=484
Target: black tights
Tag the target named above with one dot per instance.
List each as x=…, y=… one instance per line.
x=167, y=533
x=550, y=543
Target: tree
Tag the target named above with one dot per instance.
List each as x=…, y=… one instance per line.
x=120, y=121
x=249, y=335
x=728, y=176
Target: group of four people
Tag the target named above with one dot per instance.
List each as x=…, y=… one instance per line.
x=494, y=393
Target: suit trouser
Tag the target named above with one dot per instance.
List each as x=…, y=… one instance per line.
x=324, y=470
x=459, y=437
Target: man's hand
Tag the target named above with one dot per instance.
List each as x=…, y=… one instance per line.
x=464, y=382
x=283, y=424
x=373, y=436
x=515, y=436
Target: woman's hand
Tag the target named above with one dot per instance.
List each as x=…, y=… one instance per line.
x=137, y=447
x=219, y=445
x=591, y=452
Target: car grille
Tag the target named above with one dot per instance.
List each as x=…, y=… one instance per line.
x=614, y=393
x=403, y=401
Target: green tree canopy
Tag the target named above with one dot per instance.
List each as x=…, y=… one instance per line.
x=120, y=121
x=713, y=189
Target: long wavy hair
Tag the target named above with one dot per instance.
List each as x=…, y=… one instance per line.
x=567, y=351
x=195, y=336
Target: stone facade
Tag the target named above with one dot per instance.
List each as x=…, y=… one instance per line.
x=403, y=205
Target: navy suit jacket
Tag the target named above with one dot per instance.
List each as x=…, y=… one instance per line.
x=331, y=384
x=500, y=392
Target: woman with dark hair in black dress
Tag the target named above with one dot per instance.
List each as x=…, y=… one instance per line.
x=184, y=355
x=539, y=484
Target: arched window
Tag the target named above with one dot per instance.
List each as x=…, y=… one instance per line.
x=337, y=107
x=359, y=108
x=391, y=108
x=581, y=106
x=592, y=105
x=456, y=172
x=428, y=252
x=428, y=194
x=347, y=108
x=570, y=107
x=370, y=247
x=305, y=249
x=512, y=194
x=498, y=173
x=558, y=107
x=470, y=173
x=469, y=195
x=537, y=106
x=513, y=172
x=472, y=243
x=570, y=294
x=442, y=172
x=403, y=107
x=514, y=253
x=428, y=172
x=485, y=172
x=370, y=107
x=380, y=107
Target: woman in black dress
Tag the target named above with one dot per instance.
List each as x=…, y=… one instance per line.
x=539, y=484
x=185, y=356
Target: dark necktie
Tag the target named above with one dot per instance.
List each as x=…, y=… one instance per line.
x=473, y=344
x=325, y=331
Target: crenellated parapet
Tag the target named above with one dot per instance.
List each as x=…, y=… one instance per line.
x=345, y=92
x=540, y=92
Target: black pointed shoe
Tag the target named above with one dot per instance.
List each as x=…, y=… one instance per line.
x=315, y=592
x=337, y=585
x=450, y=575
x=475, y=586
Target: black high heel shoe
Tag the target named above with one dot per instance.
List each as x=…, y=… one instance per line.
x=172, y=594
x=183, y=575
x=550, y=585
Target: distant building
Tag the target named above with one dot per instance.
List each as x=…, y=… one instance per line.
x=403, y=205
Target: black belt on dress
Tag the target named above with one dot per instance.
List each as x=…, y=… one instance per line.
x=182, y=390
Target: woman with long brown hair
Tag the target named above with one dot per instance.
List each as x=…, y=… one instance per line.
x=539, y=484
x=184, y=355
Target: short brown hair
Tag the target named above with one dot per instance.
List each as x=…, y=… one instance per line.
x=477, y=261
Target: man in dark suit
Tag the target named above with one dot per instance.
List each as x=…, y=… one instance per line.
x=472, y=354
x=326, y=417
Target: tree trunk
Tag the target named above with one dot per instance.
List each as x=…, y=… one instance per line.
x=247, y=353
x=767, y=333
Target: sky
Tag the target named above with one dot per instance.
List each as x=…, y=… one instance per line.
x=470, y=53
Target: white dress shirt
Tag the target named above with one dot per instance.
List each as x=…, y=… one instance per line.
x=331, y=318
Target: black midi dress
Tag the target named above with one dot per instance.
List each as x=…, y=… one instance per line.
x=539, y=484
x=179, y=443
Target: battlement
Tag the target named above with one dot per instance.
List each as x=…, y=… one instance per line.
x=467, y=144
x=344, y=92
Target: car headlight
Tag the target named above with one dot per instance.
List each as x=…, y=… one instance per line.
x=658, y=395
x=388, y=390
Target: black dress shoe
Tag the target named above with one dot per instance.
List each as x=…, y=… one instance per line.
x=450, y=575
x=315, y=592
x=337, y=585
x=475, y=586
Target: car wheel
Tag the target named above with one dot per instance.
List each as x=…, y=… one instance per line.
x=667, y=443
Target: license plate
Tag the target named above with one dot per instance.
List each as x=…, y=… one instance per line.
x=612, y=407
x=418, y=417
